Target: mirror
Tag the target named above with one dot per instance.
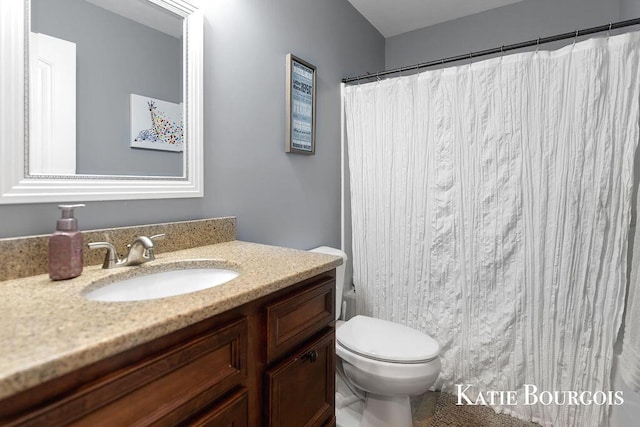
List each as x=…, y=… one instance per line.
x=127, y=55
x=110, y=107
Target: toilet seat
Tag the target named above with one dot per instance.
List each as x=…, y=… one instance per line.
x=385, y=341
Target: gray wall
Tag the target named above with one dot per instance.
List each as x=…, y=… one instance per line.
x=526, y=20
x=629, y=9
x=109, y=49
x=284, y=199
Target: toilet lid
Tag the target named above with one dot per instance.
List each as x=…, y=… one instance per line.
x=387, y=341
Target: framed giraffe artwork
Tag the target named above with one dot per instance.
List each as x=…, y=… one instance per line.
x=156, y=124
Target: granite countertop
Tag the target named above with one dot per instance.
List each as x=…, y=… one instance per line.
x=49, y=328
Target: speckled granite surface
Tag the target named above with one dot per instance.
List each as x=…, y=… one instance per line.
x=49, y=329
x=28, y=256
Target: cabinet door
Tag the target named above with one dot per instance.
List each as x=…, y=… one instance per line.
x=301, y=389
x=233, y=412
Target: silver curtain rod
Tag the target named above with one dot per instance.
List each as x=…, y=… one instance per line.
x=501, y=49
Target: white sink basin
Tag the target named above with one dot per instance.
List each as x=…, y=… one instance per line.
x=162, y=284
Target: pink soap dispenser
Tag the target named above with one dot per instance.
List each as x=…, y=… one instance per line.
x=65, y=246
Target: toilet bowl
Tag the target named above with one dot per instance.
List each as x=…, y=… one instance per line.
x=380, y=364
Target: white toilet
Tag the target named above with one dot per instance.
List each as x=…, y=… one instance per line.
x=380, y=364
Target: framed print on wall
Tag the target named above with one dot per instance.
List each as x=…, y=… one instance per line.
x=301, y=106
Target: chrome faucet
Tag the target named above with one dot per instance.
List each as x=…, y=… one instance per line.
x=140, y=251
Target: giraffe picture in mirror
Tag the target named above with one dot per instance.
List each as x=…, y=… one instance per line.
x=156, y=124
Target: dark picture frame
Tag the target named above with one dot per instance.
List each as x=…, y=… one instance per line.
x=301, y=106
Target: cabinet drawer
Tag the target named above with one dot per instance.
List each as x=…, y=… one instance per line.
x=233, y=412
x=163, y=389
x=293, y=319
x=301, y=389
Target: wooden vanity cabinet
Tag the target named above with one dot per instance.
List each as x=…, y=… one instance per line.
x=268, y=362
x=300, y=380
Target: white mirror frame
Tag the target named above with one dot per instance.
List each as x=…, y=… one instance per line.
x=16, y=186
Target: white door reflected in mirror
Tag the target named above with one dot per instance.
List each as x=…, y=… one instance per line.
x=52, y=120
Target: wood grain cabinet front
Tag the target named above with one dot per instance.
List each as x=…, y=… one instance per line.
x=300, y=380
x=301, y=388
x=269, y=361
x=162, y=389
x=232, y=412
x=299, y=316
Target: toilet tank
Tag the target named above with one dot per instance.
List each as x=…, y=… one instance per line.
x=340, y=273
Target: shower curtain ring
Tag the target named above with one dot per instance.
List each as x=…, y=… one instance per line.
x=538, y=45
x=575, y=38
x=609, y=31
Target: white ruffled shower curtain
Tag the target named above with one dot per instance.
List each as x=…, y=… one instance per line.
x=490, y=209
x=630, y=356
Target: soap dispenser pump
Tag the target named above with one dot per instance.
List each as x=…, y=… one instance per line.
x=65, y=246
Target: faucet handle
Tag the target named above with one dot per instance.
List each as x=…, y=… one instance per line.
x=111, y=257
x=151, y=251
x=157, y=237
x=154, y=239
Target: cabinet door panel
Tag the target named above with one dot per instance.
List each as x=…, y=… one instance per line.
x=301, y=390
x=298, y=317
x=233, y=412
